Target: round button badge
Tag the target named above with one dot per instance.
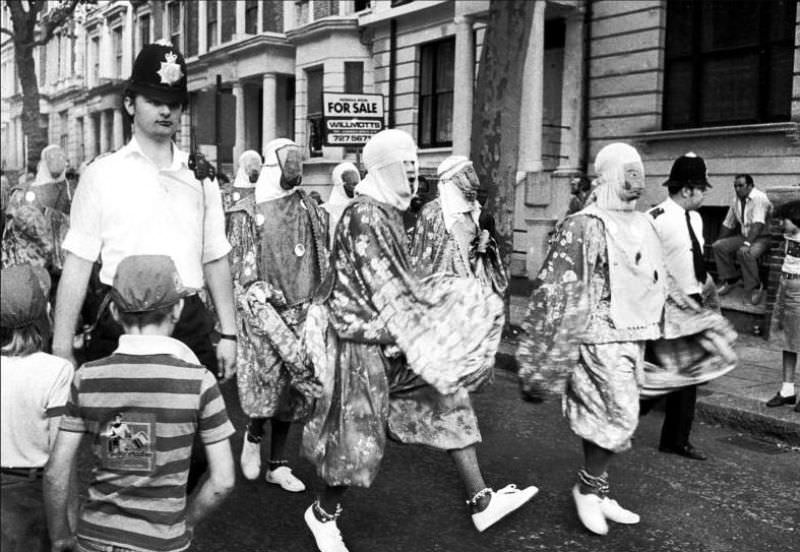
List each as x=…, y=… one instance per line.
x=299, y=250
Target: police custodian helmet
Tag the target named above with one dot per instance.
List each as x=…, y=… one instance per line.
x=159, y=73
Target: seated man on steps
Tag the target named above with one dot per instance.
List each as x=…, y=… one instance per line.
x=748, y=213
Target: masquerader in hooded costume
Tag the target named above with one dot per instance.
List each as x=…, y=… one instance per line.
x=279, y=257
x=598, y=298
x=448, y=236
x=345, y=178
x=399, y=354
x=243, y=186
x=38, y=216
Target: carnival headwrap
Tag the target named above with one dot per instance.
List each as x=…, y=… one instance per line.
x=619, y=168
x=52, y=165
x=339, y=199
x=249, y=162
x=458, y=190
x=282, y=165
x=386, y=180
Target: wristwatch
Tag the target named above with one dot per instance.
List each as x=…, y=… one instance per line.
x=232, y=337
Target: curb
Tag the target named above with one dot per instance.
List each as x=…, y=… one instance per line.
x=734, y=412
x=748, y=415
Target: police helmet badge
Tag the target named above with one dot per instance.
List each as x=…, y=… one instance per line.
x=170, y=72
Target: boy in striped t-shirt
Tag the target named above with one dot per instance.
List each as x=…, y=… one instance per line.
x=142, y=406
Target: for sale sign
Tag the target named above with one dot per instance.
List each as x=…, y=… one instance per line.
x=351, y=119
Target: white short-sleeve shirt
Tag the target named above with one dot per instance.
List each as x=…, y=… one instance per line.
x=669, y=219
x=34, y=389
x=757, y=209
x=125, y=205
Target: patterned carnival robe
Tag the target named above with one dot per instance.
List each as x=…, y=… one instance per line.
x=572, y=346
x=434, y=249
x=447, y=328
x=278, y=258
x=36, y=222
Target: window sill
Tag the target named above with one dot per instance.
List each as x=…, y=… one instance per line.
x=790, y=129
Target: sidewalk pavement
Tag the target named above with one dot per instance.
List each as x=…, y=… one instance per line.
x=735, y=399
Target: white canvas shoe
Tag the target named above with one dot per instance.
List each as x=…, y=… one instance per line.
x=502, y=503
x=250, y=460
x=326, y=533
x=616, y=513
x=590, y=511
x=284, y=477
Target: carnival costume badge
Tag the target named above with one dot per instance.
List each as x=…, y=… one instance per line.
x=170, y=71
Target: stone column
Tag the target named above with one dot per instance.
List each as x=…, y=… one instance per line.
x=463, y=85
x=530, y=138
x=269, y=109
x=202, y=29
x=239, y=143
x=240, y=12
x=91, y=132
x=572, y=95
x=119, y=137
x=104, y=137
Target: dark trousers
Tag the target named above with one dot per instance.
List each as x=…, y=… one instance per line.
x=678, y=417
x=24, y=524
x=193, y=329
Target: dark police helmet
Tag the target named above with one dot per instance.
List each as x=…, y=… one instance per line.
x=688, y=170
x=159, y=74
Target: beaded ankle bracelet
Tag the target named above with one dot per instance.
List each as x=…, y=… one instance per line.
x=479, y=495
x=324, y=516
x=599, y=484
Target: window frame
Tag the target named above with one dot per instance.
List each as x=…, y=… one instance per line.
x=144, y=31
x=314, y=119
x=117, y=44
x=179, y=34
x=212, y=38
x=699, y=60
x=250, y=6
x=435, y=93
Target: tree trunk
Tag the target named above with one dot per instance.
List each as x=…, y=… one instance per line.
x=496, y=117
x=496, y=112
x=31, y=116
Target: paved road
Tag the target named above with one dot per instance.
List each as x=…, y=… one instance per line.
x=746, y=498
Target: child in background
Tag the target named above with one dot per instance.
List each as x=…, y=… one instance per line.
x=142, y=406
x=35, y=387
x=785, y=326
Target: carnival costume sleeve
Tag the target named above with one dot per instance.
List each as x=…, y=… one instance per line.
x=489, y=266
x=448, y=327
x=696, y=347
x=559, y=308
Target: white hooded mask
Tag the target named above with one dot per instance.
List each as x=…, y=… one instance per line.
x=454, y=204
x=386, y=180
x=268, y=186
x=248, y=161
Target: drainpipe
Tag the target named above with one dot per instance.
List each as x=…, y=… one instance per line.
x=392, y=70
x=587, y=51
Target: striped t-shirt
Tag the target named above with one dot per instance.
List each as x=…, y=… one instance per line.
x=143, y=406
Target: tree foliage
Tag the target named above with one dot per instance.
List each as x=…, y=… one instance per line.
x=32, y=27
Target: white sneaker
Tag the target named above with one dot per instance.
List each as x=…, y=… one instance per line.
x=250, y=460
x=590, y=511
x=502, y=503
x=326, y=533
x=613, y=511
x=284, y=477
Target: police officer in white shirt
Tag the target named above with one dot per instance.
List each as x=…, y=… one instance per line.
x=144, y=199
x=680, y=229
